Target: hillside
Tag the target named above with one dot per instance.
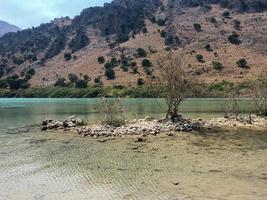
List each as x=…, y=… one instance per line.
x=6, y=28
x=119, y=43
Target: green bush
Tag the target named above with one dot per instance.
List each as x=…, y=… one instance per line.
x=197, y=27
x=81, y=83
x=163, y=34
x=226, y=14
x=73, y=78
x=110, y=73
x=208, y=47
x=61, y=82
x=200, y=58
x=234, y=38
x=141, y=52
x=161, y=22
x=101, y=60
x=146, y=63
x=217, y=65
x=67, y=56
x=140, y=81
x=242, y=63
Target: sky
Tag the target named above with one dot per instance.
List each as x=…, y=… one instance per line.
x=29, y=13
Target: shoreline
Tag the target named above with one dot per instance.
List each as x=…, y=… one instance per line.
x=148, y=126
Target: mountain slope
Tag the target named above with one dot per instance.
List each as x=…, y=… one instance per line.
x=6, y=28
x=221, y=32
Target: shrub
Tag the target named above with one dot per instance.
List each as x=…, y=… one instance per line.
x=144, y=30
x=237, y=24
x=140, y=81
x=242, y=63
x=81, y=83
x=146, y=63
x=108, y=65
x=79, y=41
x=73, y=78
x=101, y=60
x=2, y=72
x=60, y=82
x=31, y=72
x=200, y=58
x=98, y=81
x=208, y=47
x=111, y=110
x=110, y=74
x=67, y=56
x=161, y=22
x=86, y=78
x=226, y=14
x=217, y=65
x=15, y=84
x=122, y=38
x=197, y=27
x=141, y=52
x=163, y=34
x=234, y=38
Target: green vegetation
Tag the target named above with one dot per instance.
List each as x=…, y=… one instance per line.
x=67, y=56
x=208, y=47
x=200, y=58
x=242, y=63
x=217, y=65
x=161, y=22
x=73, y=78
x=141, y=52
x=226, y=14
x=234, y=38
x=79, y=41
x=147, y=66
x=140, y=81
x=101, y=60
x=110, y=73
x=197, y=27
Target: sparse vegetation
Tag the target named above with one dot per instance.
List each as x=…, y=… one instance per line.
x=73, y=78
x=208, y=47
x=176, y=83
x=111, y=110
x=217, y=65
x=200, y=58
x=141, y=52
x=140, y=81
x=197, y=27
x=101, y=59
x=67, y=56
x=226, y=14
x=242, y=63
x=234, y=38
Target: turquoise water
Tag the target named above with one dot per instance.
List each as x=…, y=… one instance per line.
x=215, y=165
x=25, y=112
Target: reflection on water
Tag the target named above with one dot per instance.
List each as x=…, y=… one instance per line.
x=218, y=164
x=21, y=112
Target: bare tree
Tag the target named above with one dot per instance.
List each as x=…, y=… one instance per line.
x=111, y=110
x=175, y=81
x=259, y=94
x=233, y=103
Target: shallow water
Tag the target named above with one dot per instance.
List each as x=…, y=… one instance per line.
x=219, y=164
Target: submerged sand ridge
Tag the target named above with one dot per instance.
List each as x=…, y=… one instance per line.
x=216, y=164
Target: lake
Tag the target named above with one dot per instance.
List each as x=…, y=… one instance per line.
x=217, y=164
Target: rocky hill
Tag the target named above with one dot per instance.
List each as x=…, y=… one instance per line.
x=6, y=28
x=119, y=42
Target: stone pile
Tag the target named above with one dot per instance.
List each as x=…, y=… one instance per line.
x=68, y=123
x=138, y=127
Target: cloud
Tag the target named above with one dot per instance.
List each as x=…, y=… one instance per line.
x=28, y=13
